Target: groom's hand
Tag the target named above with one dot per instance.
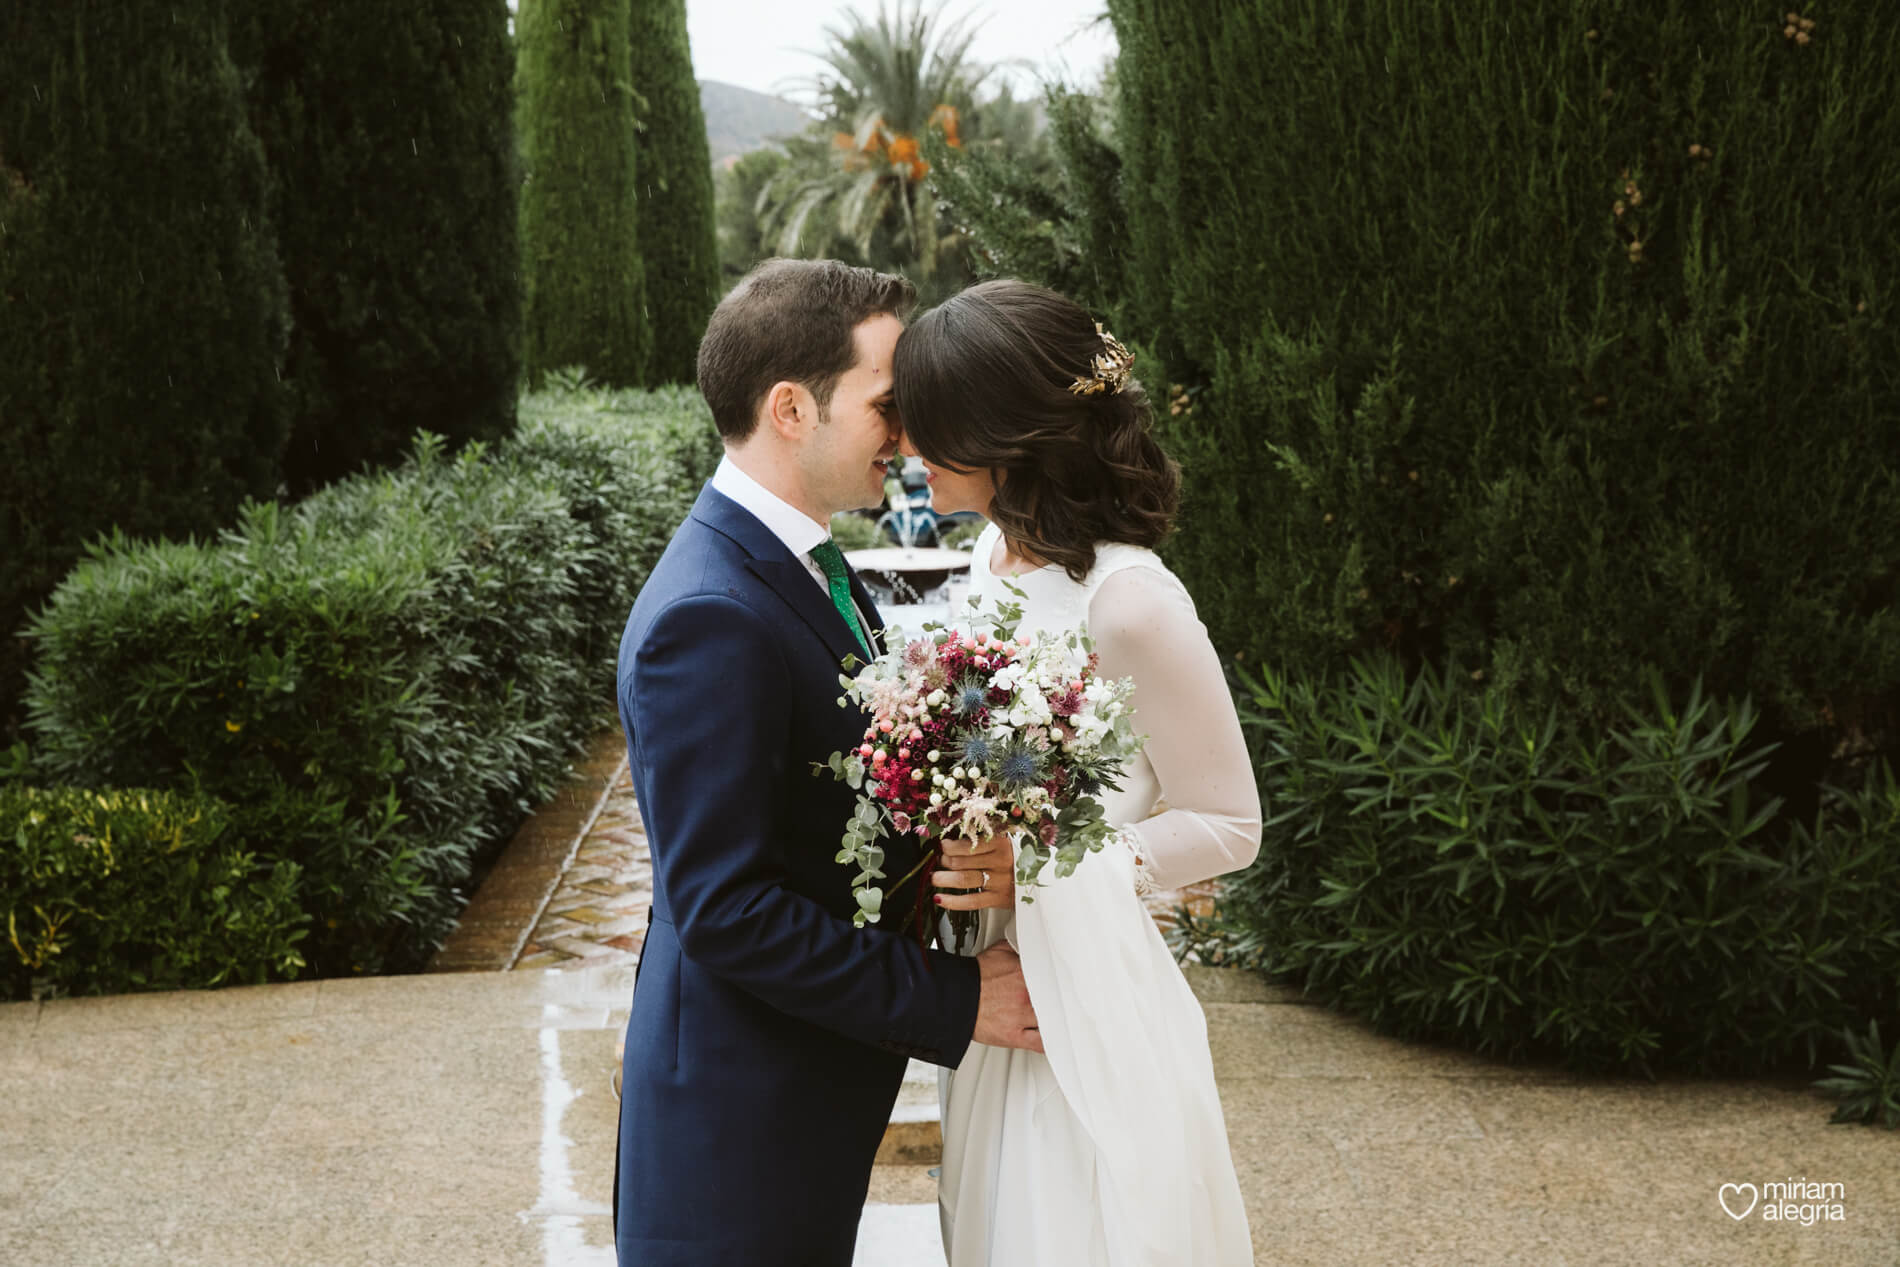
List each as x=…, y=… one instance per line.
x=1004, y=1015
x=979, y=879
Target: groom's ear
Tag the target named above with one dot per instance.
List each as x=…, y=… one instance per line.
x=789, y=410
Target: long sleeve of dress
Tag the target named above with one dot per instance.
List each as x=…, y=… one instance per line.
x=1144, y=626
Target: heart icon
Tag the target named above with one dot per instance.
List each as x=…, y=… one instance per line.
x=1722, y=1196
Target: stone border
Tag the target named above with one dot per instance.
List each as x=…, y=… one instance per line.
x=502, y=915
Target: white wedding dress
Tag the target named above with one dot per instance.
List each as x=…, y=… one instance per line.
x=1110, y=1150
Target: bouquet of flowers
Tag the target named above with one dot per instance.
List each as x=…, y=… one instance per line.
x=974, y=731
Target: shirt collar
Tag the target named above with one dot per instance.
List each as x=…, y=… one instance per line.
x=799, y=531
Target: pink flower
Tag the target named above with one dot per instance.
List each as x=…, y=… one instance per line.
x=901, y=821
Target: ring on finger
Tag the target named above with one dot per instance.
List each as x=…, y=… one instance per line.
x=986, y=882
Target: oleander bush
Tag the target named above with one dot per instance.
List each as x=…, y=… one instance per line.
x=1458, y=864
x=383, y=680
x=104, y=892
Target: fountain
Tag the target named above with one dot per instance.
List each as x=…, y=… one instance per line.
x=913, y=583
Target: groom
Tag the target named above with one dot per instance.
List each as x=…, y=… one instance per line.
x=769, y=1036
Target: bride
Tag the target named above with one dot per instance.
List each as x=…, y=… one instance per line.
x=1108, y=1148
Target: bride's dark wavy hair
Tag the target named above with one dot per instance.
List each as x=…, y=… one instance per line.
x=982, y=383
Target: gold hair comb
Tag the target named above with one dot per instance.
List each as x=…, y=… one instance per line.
x=1110, y=367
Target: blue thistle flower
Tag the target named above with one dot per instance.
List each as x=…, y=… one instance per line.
x=970, y=698
x=978, y=750
x=1018, y=766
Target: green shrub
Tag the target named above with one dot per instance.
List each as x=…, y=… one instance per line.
x=142, y=306
x=963, y=536
x=1869, y=1088
x=394, y=193
x=1453, y=863
x=105, y=892
x=385, y=679
x=742, y=238
x=853, y=531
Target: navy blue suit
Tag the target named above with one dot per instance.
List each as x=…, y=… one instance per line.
x=768, y=1036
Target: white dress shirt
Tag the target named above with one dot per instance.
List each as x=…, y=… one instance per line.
x=799, y=531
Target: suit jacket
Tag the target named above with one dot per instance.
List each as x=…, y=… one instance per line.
x=768, y=1036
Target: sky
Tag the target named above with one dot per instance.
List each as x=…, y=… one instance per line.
x=764, y=44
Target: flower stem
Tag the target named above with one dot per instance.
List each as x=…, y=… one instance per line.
x=921, y=864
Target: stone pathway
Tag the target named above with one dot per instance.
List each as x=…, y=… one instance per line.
x=598, y=913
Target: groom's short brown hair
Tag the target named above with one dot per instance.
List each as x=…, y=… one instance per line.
x=789, y=321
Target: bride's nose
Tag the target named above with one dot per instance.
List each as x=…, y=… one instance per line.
x=905, y=447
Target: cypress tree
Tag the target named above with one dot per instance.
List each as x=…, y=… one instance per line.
x=1544, y=343
x=394, y=192
x=674, y=165
x=585, y=293
x=142, y=306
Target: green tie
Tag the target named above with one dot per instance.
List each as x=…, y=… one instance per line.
x=831, y=560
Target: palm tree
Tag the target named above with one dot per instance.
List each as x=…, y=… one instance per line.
x=888, y=80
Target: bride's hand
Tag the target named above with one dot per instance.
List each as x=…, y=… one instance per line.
x=979, y=879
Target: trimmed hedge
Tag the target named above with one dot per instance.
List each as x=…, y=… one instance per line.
x=1453, y=863
x=106, y=892
x=384, y=680
x=1549, y=341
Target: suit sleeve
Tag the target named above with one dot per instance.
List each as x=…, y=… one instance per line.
x=707, y=699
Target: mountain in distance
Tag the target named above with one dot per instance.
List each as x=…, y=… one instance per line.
x=739, y=120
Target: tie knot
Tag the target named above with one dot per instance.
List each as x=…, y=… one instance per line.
x=829, y=559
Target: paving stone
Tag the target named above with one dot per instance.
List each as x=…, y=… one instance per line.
x=543, y=959
x=585, y=914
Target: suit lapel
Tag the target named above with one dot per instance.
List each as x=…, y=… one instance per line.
x=795, y=585
x=774, y=563
x=869, y=610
